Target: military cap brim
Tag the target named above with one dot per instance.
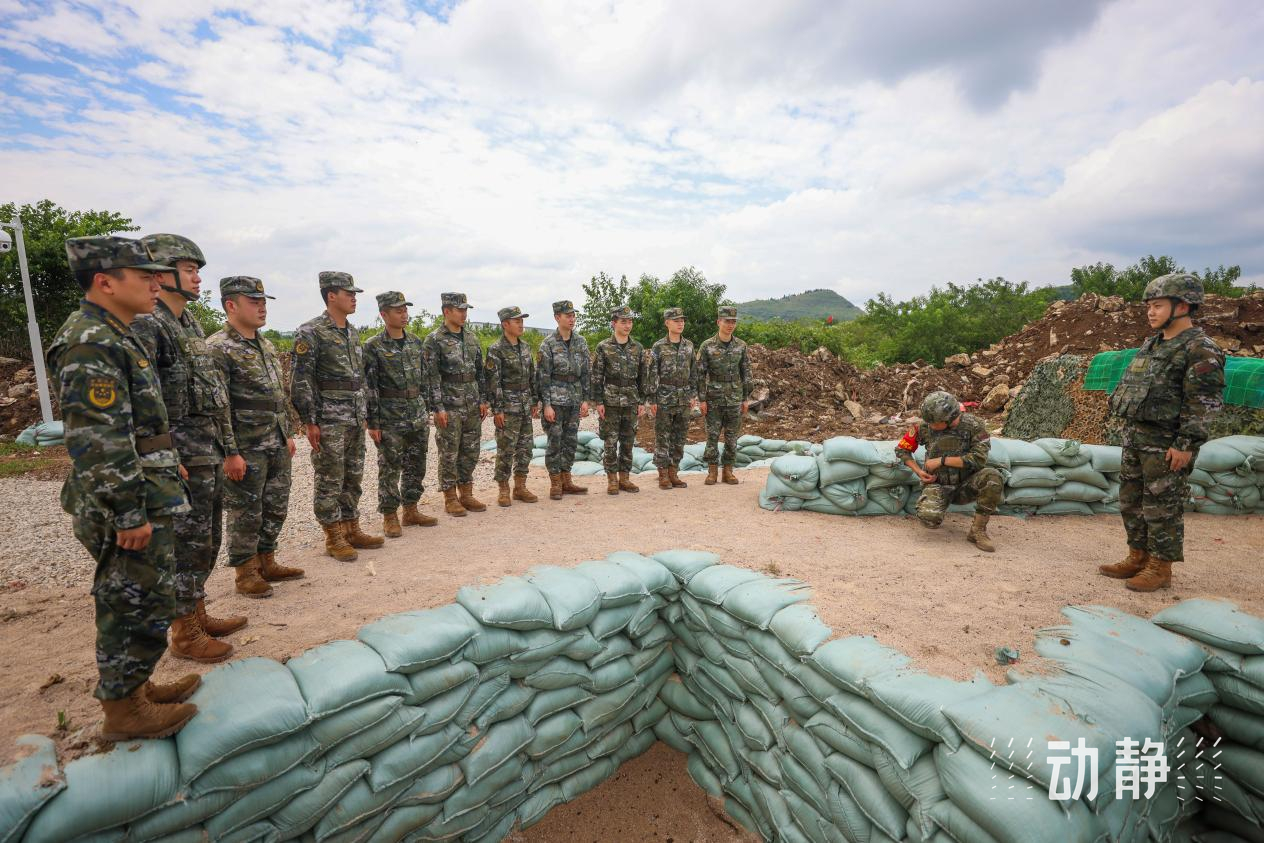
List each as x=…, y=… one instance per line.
x=255, y=295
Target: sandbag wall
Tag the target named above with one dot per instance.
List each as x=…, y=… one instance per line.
x=1046, y=477
x=590, y=448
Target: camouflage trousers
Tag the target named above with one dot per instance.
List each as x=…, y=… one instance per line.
x=563, y=440
x=985, y=488
x=671, y=427
x=458, y=447
x=257, y=504
x=198, y=535
x=618, y=432
x=1152, y=502
x=135, y=595
x=726, y=419
x=401, y=467
x=513, y=445
x=339, y=468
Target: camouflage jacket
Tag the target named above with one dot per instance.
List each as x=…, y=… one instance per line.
x=124, y=464
x=395, y=382
x=510, y=377
x=455, y=378
x=256, y=390
x=723, y=371
x=563, y=371
x=969, y=439
x=620, y=375
x=1170, y=392
x=328, y=374
x=672, y=374
x=197, y=403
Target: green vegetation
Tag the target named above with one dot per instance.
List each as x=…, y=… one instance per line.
x=1130, y=283
x=687, y=289
x=810, y=306
x=16, y=460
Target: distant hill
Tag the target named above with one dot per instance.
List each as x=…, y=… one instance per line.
x=814, y=305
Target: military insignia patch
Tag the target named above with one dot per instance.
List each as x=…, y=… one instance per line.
x=102, y=392
x=142, y=362
x=490, y=364
x=301, y=347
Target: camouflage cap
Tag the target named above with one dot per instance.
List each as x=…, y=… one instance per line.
x=727, y=313
x=563, y=306
x=1182, y=286
x=333, y=280
x=454, y=300
x=673, y=313
x=169, y=248
x=940, y=406
x=98, y=254
x=623, y=312
x=511, y=313
x=243, y=285
x=391, y=298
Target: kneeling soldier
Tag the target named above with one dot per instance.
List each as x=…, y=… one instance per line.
x=511, y=388
x=618, y=390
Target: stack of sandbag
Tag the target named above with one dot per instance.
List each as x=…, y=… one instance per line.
x=42, y=435
x=1228, y=476
x=757, y=451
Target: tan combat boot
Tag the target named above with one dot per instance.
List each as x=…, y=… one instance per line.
x=413, y=517
x=451, y=504
x=664, y=480
x=190, y=641
x=249, y=583
x=569, y=487
x=712, y=471
x=136, y=717
x=217, y=627
x=555, y=487
x=612, y=483
x=504, y=497
x=520, y=490
x=171, y=692
x=390, y=525
x=272, y=572
x=728, y=476
x=468, y=500
x=978, y=534
x=1156, y=574
x=1131, y=565
x=336, y=543
x=626, y=484
x=357, y=537
x=674, y=476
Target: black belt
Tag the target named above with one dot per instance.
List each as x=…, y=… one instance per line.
x=149, y=444
x=564, y=378
x=619, y=381
x=714, y=379
x=346, y=386
x=411, y=392
x=673, y=383
x=516, y=385
x=258, y=404
x=463, y=377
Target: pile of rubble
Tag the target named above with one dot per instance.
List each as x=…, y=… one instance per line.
x=19, y=398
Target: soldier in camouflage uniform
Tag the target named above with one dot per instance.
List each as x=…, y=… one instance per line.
x=457, y=391
x=619, y=381
x=327, y=390
x=672, y=393
x=197, y=410
x=399, y=421
x=1166, y=398
x=563, y=373
x=724, y=385
x=260, y=450
x=124, y=485
x=511, y=388
x=955, y=469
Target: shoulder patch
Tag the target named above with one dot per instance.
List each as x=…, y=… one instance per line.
x=142, y=362
x=103, y=392
x=490, y=364
x=301, y=347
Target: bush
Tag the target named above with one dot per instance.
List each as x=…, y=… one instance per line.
x=1130, y=283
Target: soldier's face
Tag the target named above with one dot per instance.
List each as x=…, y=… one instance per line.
x=189, y=278
x=344, y=301
x=395, y=318
x=252, y=312
x=1159, y=310
x=939, y=425
x=675, y=326
x=622, y=327
x=135, y=292
x=456, y=315
x=565, y=320
x=512, y=327
x=726, y=326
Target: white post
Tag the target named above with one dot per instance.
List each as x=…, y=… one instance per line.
x=32, y=327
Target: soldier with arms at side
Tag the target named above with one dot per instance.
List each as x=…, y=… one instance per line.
x=511, y=388
x=724, y=385
x=672, y=393
x=618, y=391
x=563, y=373
x=1167, y=398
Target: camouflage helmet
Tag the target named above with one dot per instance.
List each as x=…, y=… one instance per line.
x=1181, y=286
x=940, y=406
x=169, y=248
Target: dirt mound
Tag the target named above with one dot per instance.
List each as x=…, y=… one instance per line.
x=19, y=398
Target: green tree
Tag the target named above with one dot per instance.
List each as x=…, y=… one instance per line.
x=46, y=227
x=210, y=317
x=601, y=295
x=1130, y=283
x=687, y=289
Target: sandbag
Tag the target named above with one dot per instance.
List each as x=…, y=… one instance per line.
x=1021, y=452
x=653, y=575
x=1033, y=477
x=757, y=602
x=685, y=564
x=573, y=599
x=262, y=801
x=27, y=784
x=1216, y=622
x=849, y=449
x=848, y=496
x=714, y=584
x=1028, y=497
x=1179, y=655
x=179, y=816
x=339, y=674
x=916, y=700
x=800, y=629
x=410, y=641
x=400, y=722
x=512, y=603
x=839, y=471
x=1063, y=451
x=410, y=757
x=259, y=765
x=619, y=585
x=1057, y=507
x=848, y=662
x=1084, y=474
x=799, y=473
x=336, y=728
x=876, y=726
x=1104, y=458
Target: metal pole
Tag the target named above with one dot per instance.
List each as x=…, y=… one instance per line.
x=32, y=327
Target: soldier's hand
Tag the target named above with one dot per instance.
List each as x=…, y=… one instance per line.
x=375, y=433
x=499, y=421
x=702, y=407
x=583, y=410
x=184, y=472
x=550, y=415
x=653, y=411
x=483, y=409
x=289, y=441
x=745, y=407
x=313, y=436
x=926, y=476
x=441, y=418
x=1176, y=460
x=640, y=410
x=933, y=464
x=235, y=465
x=535, y=411
x=137, y=538
x=601, y=411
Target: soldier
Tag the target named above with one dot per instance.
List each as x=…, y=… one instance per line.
x=511, y=388
x=673, y=393
x=197, y=412
x=1166, y=398
x=327, y=390
x=124, y=485
x=955, y=469
x=724, y=385
x=260, y=450
x=562, y=378
x=457, y=392
x=399, y=421
x=619, y=379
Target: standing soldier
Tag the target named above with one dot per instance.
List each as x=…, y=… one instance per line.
x=673, y=393
x=197, y=412
x=724, y=385
x=619, y=379
x=511, y=388
x=457, y=390
x=955, y=469
x=399, y=422
x=562, y=378
x=258, y=443
x=328, y=392
x=124, y=484
x=1166, y=397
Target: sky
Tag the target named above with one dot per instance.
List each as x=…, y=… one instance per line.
x=512, y=149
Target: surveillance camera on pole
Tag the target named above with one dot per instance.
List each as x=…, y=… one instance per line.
x=32, y=327
x=6, y=241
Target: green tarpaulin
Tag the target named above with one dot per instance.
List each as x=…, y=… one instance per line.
x=1244, y=376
